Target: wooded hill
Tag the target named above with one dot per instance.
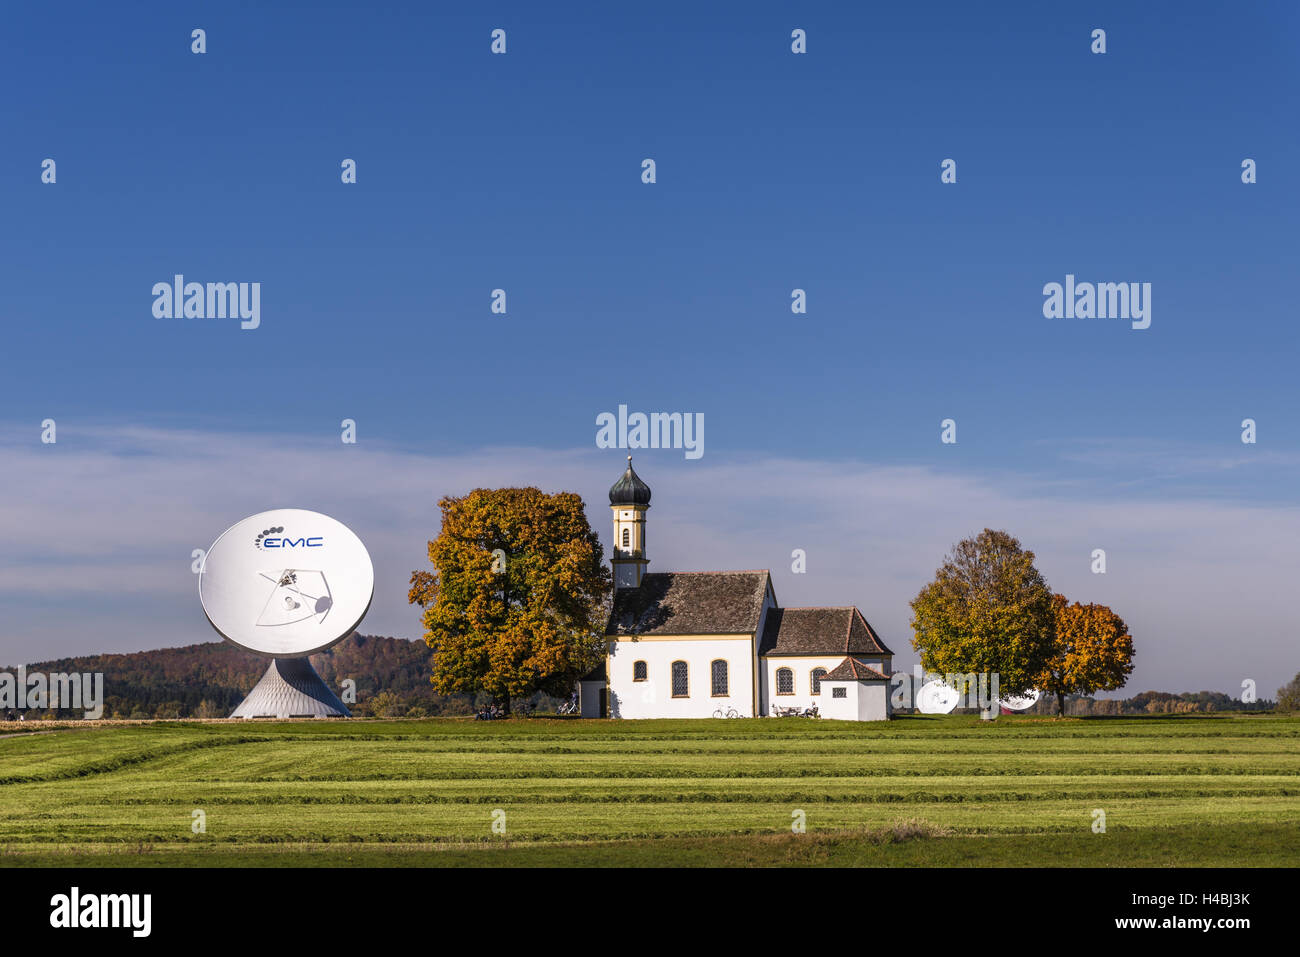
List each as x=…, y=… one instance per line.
x=210, y=679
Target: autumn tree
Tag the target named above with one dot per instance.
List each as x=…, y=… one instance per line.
x=987, y=610
x=1288, y=696
x=385, y=705
x=518, y=596
x=1092, y=651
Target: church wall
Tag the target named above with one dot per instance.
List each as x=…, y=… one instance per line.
x=840, y=709
x=653, y=697
x=864, y=701
x=802, y=668
x=873, y=701
x=760, y=692
x=589, y=698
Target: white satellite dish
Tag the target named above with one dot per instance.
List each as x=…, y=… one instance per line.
x=935, y=697
x=287, y=583
x=1020, y=702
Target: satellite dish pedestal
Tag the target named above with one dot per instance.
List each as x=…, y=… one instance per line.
x=291, y=688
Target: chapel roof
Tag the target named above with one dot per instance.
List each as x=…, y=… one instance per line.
x=690, y=603
x=851, y=669
x=819, y=631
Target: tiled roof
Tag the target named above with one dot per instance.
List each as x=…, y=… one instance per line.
x=850, y=669
x=690, y=603
x=819, y=631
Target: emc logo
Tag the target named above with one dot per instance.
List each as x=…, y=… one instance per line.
x=271, y=538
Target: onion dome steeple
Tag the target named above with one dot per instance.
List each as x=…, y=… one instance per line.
x=628, y=500
x=629, y=490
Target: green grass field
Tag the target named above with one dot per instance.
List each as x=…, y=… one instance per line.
x=939, y=791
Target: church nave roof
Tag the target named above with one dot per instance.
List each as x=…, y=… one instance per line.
x=819, y=631
x=690, y=603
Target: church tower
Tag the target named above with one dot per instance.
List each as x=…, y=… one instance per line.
x=628, y=499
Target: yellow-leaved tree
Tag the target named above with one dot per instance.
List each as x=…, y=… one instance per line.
x=518, y=599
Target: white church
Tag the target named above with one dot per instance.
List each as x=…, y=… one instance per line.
x=695, y=644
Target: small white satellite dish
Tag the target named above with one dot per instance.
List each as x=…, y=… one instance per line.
x=935, y=697
x=286, y=583
x=1020, y=702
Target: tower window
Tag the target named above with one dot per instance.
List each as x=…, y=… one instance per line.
x=719, y=674
x=638, y=671
x=817, y=675
x=784, y=681
x=681, y=686
x=627, y=538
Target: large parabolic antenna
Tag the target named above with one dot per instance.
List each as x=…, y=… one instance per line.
x=936, y=697
x=1020, y=702
x=285, y=584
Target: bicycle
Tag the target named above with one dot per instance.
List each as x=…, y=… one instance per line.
x=729, y=713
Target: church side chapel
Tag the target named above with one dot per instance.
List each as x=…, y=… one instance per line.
x=695, y=644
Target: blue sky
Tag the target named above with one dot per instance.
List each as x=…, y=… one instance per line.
x=775, y=171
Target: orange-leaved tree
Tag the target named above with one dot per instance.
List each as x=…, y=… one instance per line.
x=1092, y=651
x=517, y=601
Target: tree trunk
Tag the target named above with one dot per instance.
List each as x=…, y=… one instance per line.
x=1060, y=697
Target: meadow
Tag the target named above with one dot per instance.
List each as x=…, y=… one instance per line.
x=1175, y=790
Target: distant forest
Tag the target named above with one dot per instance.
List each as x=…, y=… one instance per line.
x=392, y=680
x=1152, y=702
x=211, y=679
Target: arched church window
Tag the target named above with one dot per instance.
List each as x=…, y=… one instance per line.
x=719, y=669
x=817, y=675
x=681, y=687
x=784, y=681
x=627, y=538
x=638, y=671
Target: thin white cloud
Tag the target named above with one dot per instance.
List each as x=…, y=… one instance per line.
x=96, y=536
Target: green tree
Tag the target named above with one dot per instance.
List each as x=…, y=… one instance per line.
x=1288, y=696
x=1091, y=651
x=988, y=609
x=531, y=622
